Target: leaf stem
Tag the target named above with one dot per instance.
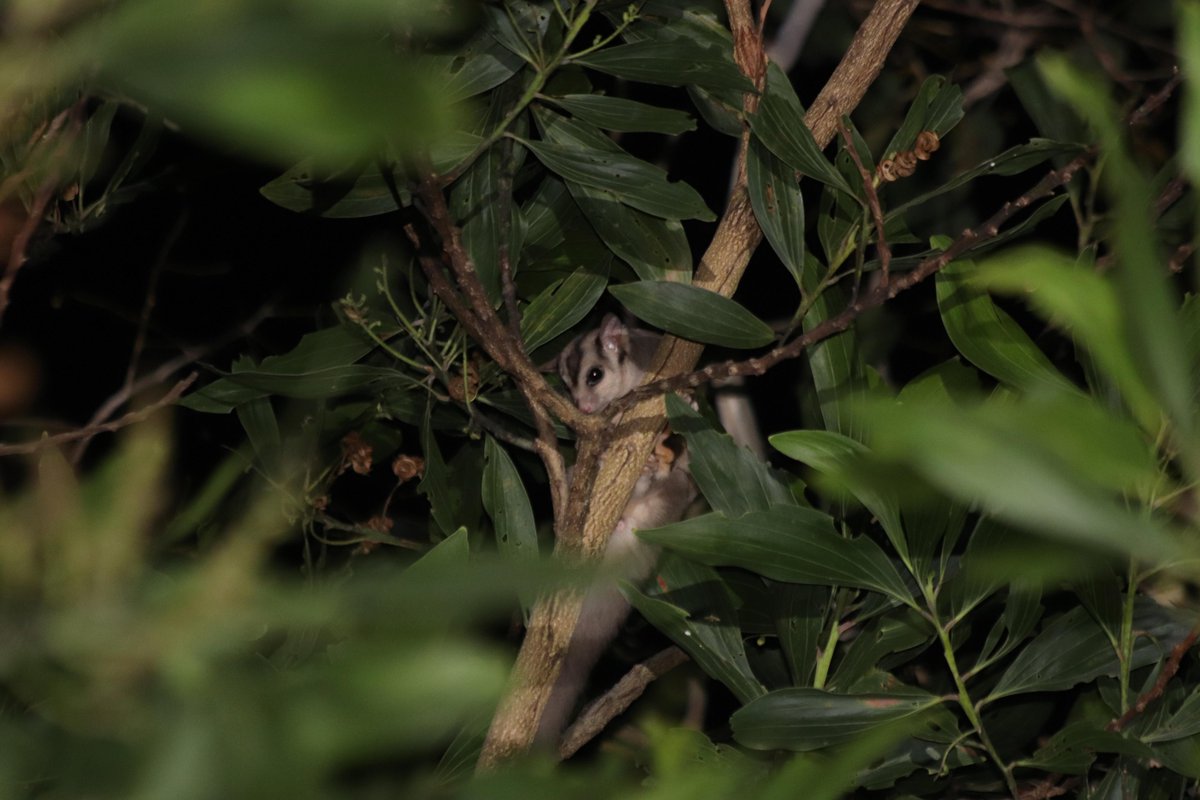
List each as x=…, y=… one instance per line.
x=1125, y=655
x=540, y=77
x=968, y=705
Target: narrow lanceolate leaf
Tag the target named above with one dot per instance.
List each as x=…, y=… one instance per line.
x=473, y=200
x=673, y=62
x=619, y=114
x=693, y=313
x=484, y=64
x=1148, y=296
x=435, y=484
x=1011, y=162
x=328, y=352
x=779, y=124
x=837, y=455
x=808, y=719
x=730, y=477
x=785, y=543
x=507, y=503
x=636, y=182
x=262, y=429
x=341, y=197
x=315, y=384
x=937, y=108
x=1069, y=294
x=838, y=371
x=1183, y=723
x=706, y=629
x=656, y=248
x=988, y=337
x=560, y=306
x=990, y=459
x=1075, y=649
x=1072, y=750
x=778, y=206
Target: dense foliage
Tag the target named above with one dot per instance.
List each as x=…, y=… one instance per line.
x=963, y=569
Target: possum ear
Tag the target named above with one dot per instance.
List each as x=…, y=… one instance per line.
x=613, y=333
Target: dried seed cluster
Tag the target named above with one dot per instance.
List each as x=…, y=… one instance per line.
x=901, y=165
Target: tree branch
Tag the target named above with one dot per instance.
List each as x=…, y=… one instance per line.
x=613, y=703
x=600, y=491
x=170, y=398
x=873, y=298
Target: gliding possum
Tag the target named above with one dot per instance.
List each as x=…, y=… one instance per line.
x=598, y=367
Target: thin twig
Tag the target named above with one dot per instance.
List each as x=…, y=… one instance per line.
x=131, y=418
x=1156, y=100
x=162, y=372
x=151, y=299
x=1156, y=691
x=608, y=706
x=885, y=252
x=873, y=298
x=37, y=211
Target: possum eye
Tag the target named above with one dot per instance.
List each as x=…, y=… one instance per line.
x=594, y=376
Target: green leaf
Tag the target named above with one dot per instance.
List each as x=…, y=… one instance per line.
x=780, y=125
x=635, y=182
x=1183, y=723
x=1074, y=649
x=799, y=612
x=1067, y=293
x=999, y=457
x=693, y=313
x=778, y=206
x=473, y=201
x=656, y=248
x=837, y=367
x=366, y=194
x=937, y=108
x=262, y=429
x=973, y=584
x=619, y=114
x=838, y=456
x=315, y=384
x=784, y=543
x=809, y=719
x=507, y=504
x=731, y=479
x=447, y=558
x=1189, y=51
x=1022, y=610
x=326, y=357
x=435, y=483
x=1152, y=325
x=291, y=86
x=1053, y=119
x=561, y=306
x=1012, y=161
x=557, y=238
x=518, y=25
x=1073, y=749
x=988, y=337
x=482, y=65
x=705, y=627
x=669, y=62
x=883, y=636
